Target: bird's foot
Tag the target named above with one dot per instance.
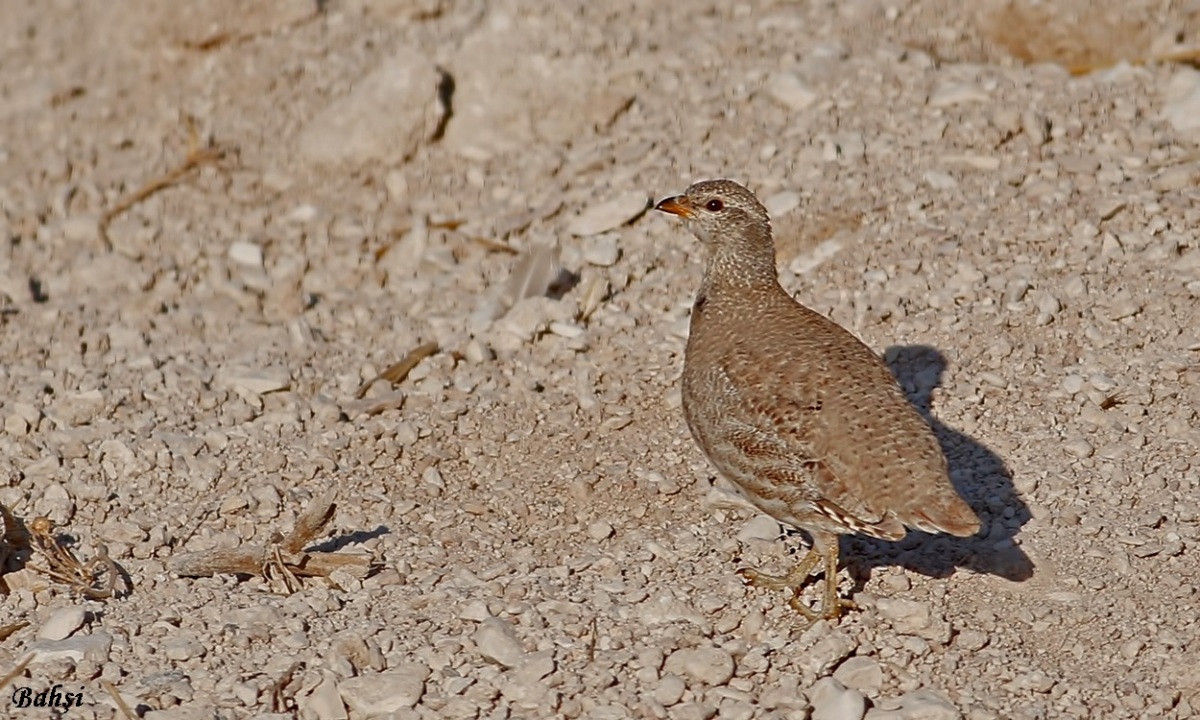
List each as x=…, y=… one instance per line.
x=830, y=609
x=796, y=580
x=833, y=611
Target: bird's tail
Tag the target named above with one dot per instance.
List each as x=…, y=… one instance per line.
x=948, y=513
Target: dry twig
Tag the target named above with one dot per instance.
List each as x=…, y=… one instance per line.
x=20, y=668
x=283, y=560
x=398, y=371
x=278, y=695
x=493, y=245
x=197, y=156
x=6, y=631
x=226, y=37
x=122, y=706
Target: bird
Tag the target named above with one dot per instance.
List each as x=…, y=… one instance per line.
x=799, y=415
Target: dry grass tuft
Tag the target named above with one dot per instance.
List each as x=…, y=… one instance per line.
x=96, y=579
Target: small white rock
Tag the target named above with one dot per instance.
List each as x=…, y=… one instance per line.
x=602, y=250
x=1080, y=448
x=1175, y=178
x=385, y=116
x=600, y=530
x=669, y=690
x=790, y=92
x=378, y=694
x=182, y=648
x=497, y=642
x=712, y=666
x=16, y=426
x=971, y=640
x=760, y=527
x=609, y=215
x=927, y=704
x=782, y=203
x=1037, y=681
x=475, y=610
x=1182, y=108
x=908, y=617
x=939, y=180
x=568, y=330
x=1072, y=384
x=1049, y=304
x=62, y=623
x=95, y=647
x=257, y=382
x=831, y=700
x=861, y=673
x=303, y=214
x=476, y=352
x=529, y=317
x=807, y=262
x=827, y=652
x=324, y=702
x=247, y=253
x=80, y=408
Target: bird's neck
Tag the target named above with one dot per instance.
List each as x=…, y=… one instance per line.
x=746, y=263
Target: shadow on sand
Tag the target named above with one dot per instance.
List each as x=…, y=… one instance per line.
x=980, y=476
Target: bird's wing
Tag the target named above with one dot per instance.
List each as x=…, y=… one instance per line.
x=778, y=466
x=814, y=422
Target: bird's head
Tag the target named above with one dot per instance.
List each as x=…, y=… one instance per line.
x=717, y=211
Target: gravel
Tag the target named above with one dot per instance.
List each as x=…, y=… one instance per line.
x=1019, y=242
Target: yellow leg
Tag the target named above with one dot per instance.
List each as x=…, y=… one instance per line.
x=833, y=605
x=794, y=581
x=825, y=548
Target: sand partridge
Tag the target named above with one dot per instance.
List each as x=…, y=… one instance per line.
x=798, y=414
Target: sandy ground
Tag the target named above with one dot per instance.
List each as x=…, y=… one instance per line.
x=179, y=373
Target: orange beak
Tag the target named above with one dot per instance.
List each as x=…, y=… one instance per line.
x=678, y=205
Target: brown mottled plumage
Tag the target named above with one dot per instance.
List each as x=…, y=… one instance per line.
x=795, y=411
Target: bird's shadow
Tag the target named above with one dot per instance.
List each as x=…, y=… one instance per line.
x=980, y=476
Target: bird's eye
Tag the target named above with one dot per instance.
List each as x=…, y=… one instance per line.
x=715, y=206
